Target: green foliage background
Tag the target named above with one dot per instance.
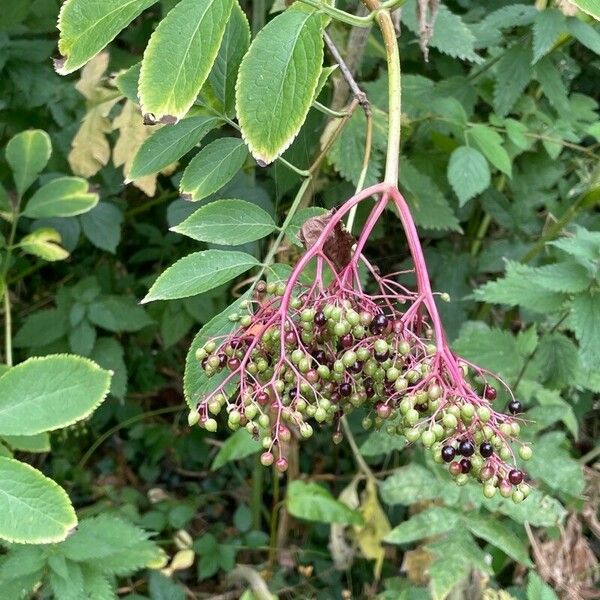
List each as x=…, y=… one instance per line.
x=499, y=162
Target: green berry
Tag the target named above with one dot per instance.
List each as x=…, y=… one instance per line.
x=450, y=421
x=193, y=418
x=489, y=490
x=210, y=425
x=484, y=414
x=525, y=452
x=428, y=438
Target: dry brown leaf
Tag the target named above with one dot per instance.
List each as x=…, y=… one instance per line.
x=90, y=150
x=337, y=247
x=132, y=133
x=376, y=527
x=427, y=11
x=415, y=565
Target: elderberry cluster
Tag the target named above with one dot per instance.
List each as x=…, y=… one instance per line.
x=306, y=358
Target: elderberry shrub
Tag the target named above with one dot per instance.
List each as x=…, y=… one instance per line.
x=304, y=359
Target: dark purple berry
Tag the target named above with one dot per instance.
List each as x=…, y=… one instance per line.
x=515, y=476
x=263, y=398
x=489, y=392
x=293, y=393
x=421, y=407
x=290, y=338
x=320, y=357
x=381, y=321
x=234, y=363
x=222, y=359
x=335, y=397
x=346, y=341
x=448, y=453
x=465, y=465
x=320, y=319
x=356, y=367
x=466, y=448
x=379, y=357
x=486, y=449
x=514, y=407
x=345, y=389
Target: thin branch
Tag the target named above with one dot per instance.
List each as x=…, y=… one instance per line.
x=347, y=74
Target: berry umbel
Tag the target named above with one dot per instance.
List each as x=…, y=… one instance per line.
x=305, y=355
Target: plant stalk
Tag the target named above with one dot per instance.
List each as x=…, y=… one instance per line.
x=386, y=25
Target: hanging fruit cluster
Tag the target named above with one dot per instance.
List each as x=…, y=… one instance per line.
x=305, y=355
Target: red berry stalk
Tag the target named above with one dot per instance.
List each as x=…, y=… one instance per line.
x=312, y=353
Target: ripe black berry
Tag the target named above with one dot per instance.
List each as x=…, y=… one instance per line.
x=515, y=476
x=514, y=407
x=465, y=465
x=466, y=448
x=489, y=392
x=320, y=319
x=486, y=449
x=345, y=389
x=381, y=357
x=320, y=357
x=356, y=367
x=293, y=393
x=346, y=341
x=448, y=453
x=222, y=359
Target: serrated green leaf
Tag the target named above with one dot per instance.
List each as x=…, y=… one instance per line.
x=195, y=382
x=109, y=354
x=199, y=272
x=429, y=207
x=468, y=173
x=558, y=359
x=44, y=243
x=180, y=55
x=112, y=545
x=20, y=561
x=552, y=85
x=273, y=96
x=585, y=321
x=456, y=555
x=87, y=26
x=493, y=349
x=169, y=144
x=235, y=43
x=567, y=277
x=237, y=446
x=513, y=73
x=515, y=289
x=29, y=443
x=552, y=463
x=489, y=143
x=28, y=153
x=102, y=226
x=127, y=82
x=408, y=485
x=96, y=585
x=230, y=222
x=428, y=523
x=516, y=132
x=62, y=197
x=547, y=27
x=162, y=587
x=585, y=34
x=537, y=589
x=347, y=152
x=213, y=167
x=118, y=314
x=499, y=535
x=50, y=392
x=381, y=442
x=450, y=34
x=41, y=328
x=33, y=508
x=591, y=8
x=313, y=502
x=584, y=246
